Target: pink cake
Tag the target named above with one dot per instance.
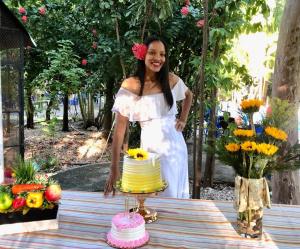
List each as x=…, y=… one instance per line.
x=127, y=231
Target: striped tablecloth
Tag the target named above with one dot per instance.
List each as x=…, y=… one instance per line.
x=84, y=219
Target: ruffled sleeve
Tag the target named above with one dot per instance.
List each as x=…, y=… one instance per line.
x=124, y=102
x=179, y=90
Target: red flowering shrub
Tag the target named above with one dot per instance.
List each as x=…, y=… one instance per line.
x=184, y=10
x=94, y=46
x=24, y=19
x=84, y=62
x=200, y=23
x=22, y=10
x=42, y=11
x=187, y=2
x=139, y=51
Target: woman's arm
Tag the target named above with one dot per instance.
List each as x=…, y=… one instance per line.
x=185, y=109
x=118, y=137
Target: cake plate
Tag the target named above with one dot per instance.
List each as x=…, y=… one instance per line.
x=150, y=215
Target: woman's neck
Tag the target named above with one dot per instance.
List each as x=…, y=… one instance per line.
x=150, y=76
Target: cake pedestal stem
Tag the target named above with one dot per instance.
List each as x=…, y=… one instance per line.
x=149, y=214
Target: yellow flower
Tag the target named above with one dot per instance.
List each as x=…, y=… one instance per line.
x=138, y=154
x=253, y=104
x=276, y=133
x=232, y=147
x=243, y=133
x=248, y=146
x=131, y=152
x=267, y=149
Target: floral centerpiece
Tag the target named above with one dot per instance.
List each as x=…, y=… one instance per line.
x=28, y=196
x=253, y=156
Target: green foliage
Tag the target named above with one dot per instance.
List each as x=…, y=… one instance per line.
x=24, y=171
x=46, y=162
x=282, y=114
x=63, y=74
x=49, y=127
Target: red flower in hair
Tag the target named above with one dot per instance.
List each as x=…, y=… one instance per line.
x=139, y=51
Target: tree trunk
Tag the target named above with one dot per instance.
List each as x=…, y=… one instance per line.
x=29, y=109
x=286, y=185
x=82, y=107
x=211, y=143
x=198, y=142
x=49, y=108
x=211, y=137
x=109, y=101
x=66, y=113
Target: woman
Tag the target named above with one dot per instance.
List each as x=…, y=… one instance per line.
x=150, y=98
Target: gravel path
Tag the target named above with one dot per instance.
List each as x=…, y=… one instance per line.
x=218, y=192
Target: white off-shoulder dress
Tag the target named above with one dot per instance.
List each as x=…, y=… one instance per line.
x=158, y=133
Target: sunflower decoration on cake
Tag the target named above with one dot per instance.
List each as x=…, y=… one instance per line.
x=138, y=154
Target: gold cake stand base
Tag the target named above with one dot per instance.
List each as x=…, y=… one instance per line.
x=149, y=215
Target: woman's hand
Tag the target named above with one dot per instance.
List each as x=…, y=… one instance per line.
x=179, y=126
x=110, y=182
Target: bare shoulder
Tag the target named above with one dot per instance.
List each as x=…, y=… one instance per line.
x=131, y=84
x=173, y=78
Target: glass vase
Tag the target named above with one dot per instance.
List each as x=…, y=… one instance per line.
x=251, y=196
x=249, y=223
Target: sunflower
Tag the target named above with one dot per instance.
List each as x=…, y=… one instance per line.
x=248, y=146
x=276, y=133
x=131, y=152
x=243, y=133
x=267, y=149
x=138, y=154
x=232, y=147
x=251, y=105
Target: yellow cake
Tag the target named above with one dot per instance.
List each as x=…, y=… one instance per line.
x=142, y=176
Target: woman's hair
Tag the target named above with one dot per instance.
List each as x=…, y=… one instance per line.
x=162, y=76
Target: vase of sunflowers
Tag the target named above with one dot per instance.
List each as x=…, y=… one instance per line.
x=253, y=156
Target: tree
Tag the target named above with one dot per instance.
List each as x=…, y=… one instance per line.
x=286, y=185
x=63, y=75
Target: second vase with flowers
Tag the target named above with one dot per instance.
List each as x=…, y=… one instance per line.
x=253, y=156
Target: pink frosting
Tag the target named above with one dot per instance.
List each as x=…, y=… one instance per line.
x=127, y=244
x=125, y=220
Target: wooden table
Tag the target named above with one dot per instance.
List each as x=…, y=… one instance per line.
x=84, y=219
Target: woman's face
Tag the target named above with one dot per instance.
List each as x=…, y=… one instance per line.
x=156, y=56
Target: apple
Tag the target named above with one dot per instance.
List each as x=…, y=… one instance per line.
x=5, y=201
x=53, y=192
x=8, y=172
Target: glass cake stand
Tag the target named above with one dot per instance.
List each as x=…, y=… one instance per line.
x=150, y=215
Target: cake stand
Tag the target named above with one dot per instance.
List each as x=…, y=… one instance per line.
x=150, y=215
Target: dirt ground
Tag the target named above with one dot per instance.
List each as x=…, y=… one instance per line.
x=66, y=149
